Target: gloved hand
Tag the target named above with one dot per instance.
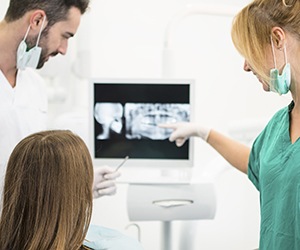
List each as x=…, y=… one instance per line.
x=184, y=130
x=104, y=181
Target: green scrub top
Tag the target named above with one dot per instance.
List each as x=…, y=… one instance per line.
x=274, y=169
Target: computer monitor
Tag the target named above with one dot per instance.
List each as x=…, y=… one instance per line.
x=124, y=114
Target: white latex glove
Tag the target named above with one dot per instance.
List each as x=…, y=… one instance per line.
x=104, y=181
x=184, y=130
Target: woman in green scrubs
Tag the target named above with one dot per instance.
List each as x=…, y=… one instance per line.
x=267, y=35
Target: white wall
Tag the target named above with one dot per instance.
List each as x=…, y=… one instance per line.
x=4, y=5
x=125, y=39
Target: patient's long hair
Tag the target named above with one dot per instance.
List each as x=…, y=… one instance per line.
x=47, y=197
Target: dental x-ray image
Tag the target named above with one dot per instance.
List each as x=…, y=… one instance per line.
x=141, y=119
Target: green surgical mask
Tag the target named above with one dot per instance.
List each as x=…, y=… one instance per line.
x=280, y=83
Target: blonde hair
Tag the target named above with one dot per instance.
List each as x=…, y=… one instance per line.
x=47, y=197
x=252, y=27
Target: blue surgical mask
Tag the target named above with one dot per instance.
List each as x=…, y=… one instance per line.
x=31, y=57
x=280, y=83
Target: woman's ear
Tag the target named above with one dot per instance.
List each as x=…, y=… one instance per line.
x=278, y=36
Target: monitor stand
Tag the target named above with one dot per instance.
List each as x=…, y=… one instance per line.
x=166, y=237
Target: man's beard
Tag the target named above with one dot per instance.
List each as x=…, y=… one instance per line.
x=31, y=42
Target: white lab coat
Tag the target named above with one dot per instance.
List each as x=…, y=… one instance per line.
x=23, y=110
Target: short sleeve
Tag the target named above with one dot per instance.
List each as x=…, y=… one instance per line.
x=254, y=158
x=253, y=166
x=262, y=142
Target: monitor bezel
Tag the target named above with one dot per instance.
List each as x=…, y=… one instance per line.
x=152, y=163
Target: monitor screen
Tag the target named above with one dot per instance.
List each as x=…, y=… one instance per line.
x=125, y=114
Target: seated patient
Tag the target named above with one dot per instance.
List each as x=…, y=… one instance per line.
x=47, y=197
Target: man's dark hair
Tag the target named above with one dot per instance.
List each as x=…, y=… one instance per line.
x=56, y=10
